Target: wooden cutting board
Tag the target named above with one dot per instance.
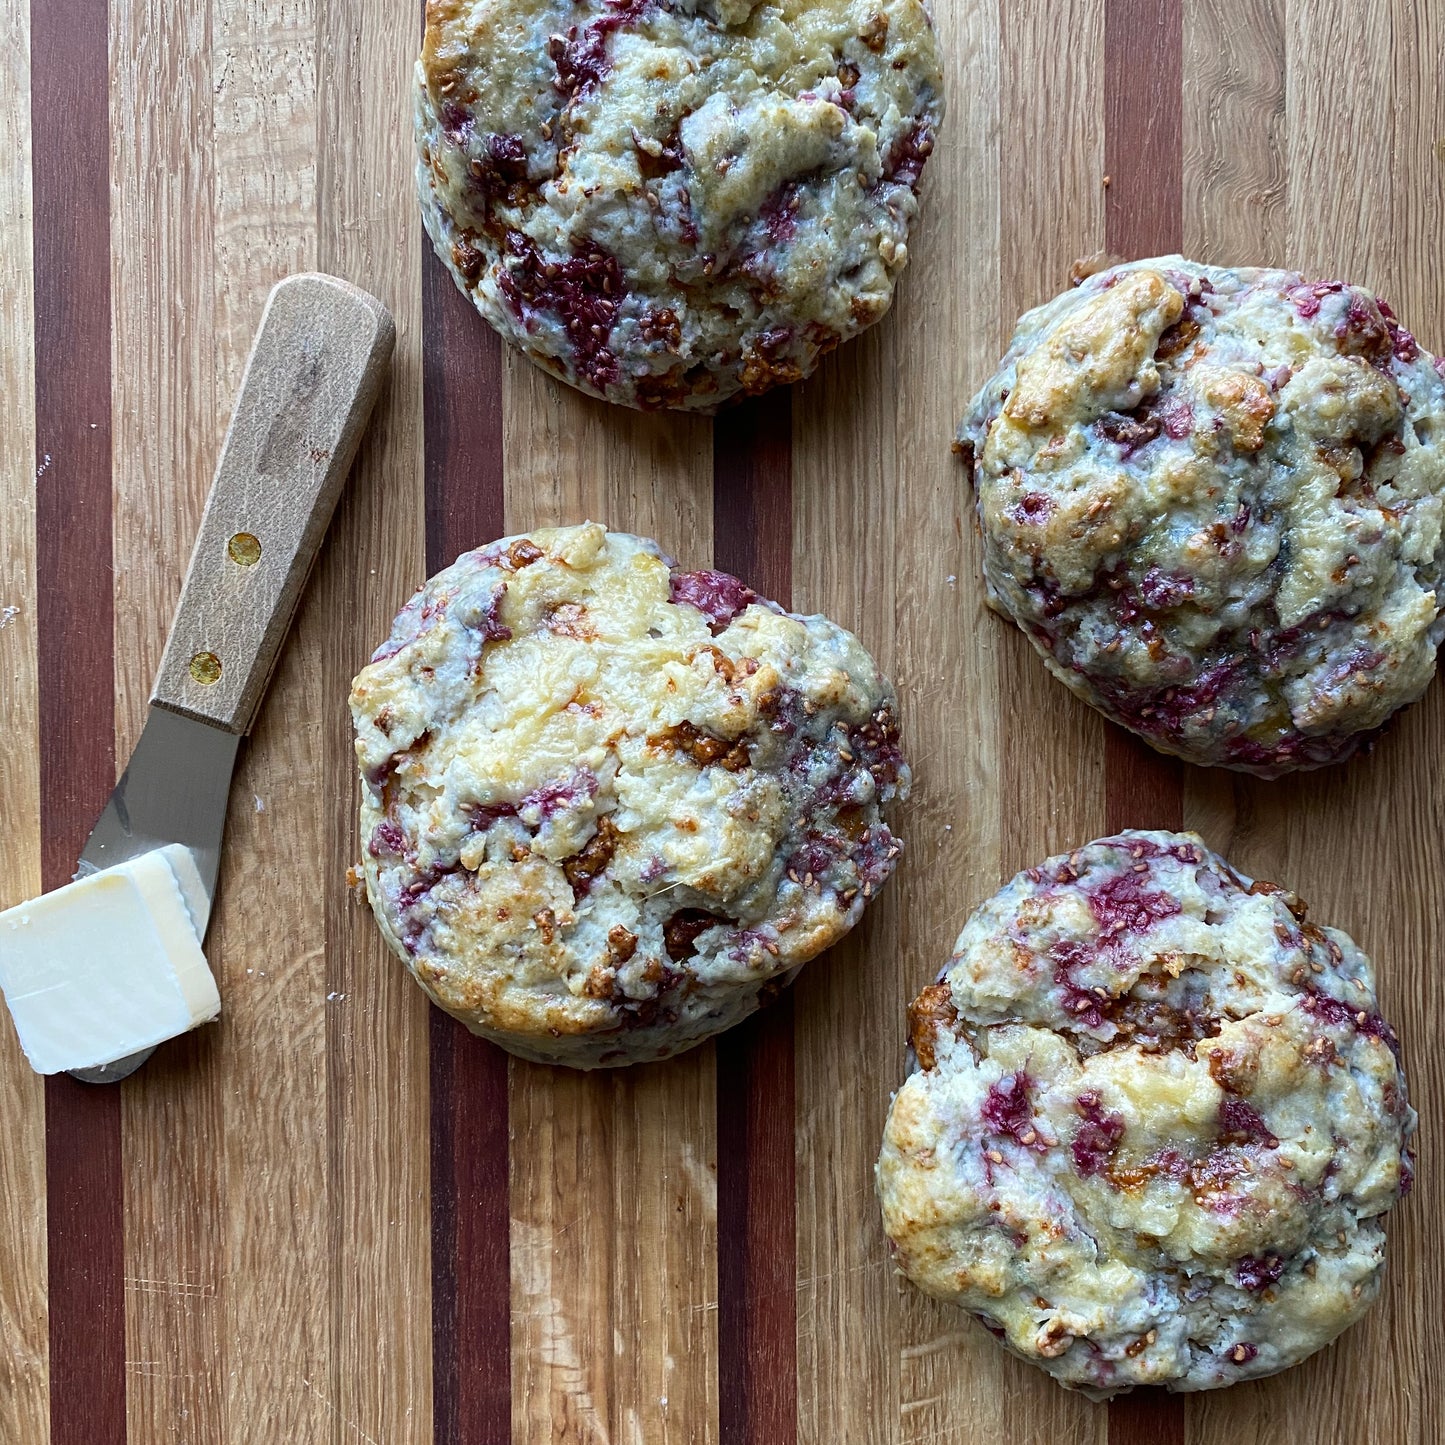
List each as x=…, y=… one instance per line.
x=339, y=1218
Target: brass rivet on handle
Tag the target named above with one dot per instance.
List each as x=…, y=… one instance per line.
x=244, y=549
x=206, y=668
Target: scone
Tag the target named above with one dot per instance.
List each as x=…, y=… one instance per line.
x=666, y=202
x=608, y=807
x=1212, y=499
x=1155, y=1125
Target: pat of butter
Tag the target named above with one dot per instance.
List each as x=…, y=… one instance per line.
x=108, y=965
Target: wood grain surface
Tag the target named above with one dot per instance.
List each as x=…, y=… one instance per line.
x=339, y=1218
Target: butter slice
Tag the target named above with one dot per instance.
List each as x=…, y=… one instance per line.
x=108, y=965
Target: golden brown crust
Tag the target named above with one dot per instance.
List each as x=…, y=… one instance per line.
x=1214, y=499
x=606, y=801
x=665, y=204
x=1155, y=1125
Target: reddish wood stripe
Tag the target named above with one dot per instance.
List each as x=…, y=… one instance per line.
x=462, y=405
x=1144, y=216
x=71, y=144
x=471, y=1264
x=71, y=127
x=757, y=1238
x=85, y=1237
x=1144, y=126
x=1142, y=788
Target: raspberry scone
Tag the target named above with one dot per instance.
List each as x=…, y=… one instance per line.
x=1212, y=498
x=666, y=202
x=1155, y=1124
x=609, y=807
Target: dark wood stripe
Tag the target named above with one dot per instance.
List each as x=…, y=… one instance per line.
x=85, y=1236
x=1147, y=1417
x=757, y=1238
x=462, y=415
x=1144, y=216
x=471, y=1255
x=752, y=509
x=1142, y=788
x=70, y=122
x=471, y=1258
x=1144, y=126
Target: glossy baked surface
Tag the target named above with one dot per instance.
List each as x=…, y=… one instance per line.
x=1213, y=500
x=1155, y=1123
x=667, y=203
x=610, y=806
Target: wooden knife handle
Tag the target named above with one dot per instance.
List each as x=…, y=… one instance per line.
x=314, y=372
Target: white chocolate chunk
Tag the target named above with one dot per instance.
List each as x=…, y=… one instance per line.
x=108, y=965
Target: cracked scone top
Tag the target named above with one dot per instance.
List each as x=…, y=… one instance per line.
x=1212, y=499
x=609, y=807
x=1155, y=1124
x=664, y=202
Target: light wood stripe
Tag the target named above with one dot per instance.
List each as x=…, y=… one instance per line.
x=1051, y=163
x=24, y=1343
x=849, y=1003
x=614, y=1207
x=950, y=329
x=1052, y=747
x=166, y=428
x=1233, y=134
x=267, y=941
x=1361, y=843
x=1234, y=214
x=163, y=387
x=876, y=1361
x=377, y=1205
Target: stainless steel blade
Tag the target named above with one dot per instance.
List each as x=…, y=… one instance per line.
x=174, y=790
